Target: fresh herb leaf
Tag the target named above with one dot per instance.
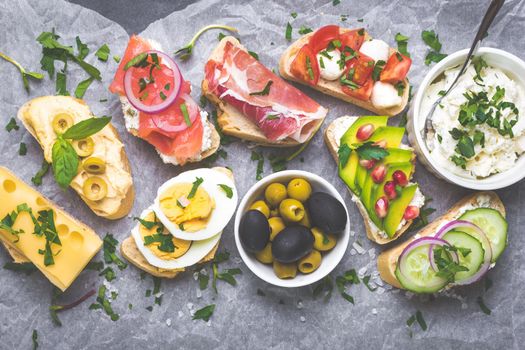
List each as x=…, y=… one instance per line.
x=369, y=151
x=336, y=2
x=55, y=308
x=325, y=287
x=265, y=91
x=116, y=58
x=61, y=88
x=108, y=273
x=435, y=57
x=82, y=87
x=293, y=14
x=431, y=39
x=402, y=44
x=137, y=61
x=344, y=154
x=227, y=189
x=221, y=36
x=400, y=87
x=305, y=30
x=165, y=242
x=378, y=68
x=110, y=246
x=205, y=313
x=198, y=181
x=64, y=162
x=203, y=280
x=22, y=150
x=11, y=125
x=185, y=52
x=147, y=224
x=86, y=128
x=421, y=320
x=483, y=307
x=422, y=220
x=37, y=179
x=228, y=276
x=254, y=55
x=465, y=146
x=103, y=53
x=348, y=278
x=104, y=303
x=278, y=163
x=26, y=267
x=25, y=74
x=256, y=156
x=288, y=33
x=366, y=282
x=95, y=265
x=184, y=110
x=34, y=339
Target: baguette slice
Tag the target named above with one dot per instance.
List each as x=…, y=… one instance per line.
x=129, y=250
x=231, y=121
x=387, y=260
x=127, y=203
x=333, y=88
x=372, y=232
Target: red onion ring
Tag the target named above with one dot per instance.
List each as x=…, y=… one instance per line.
x=177, y=83
x=418, y=243
x=193, y=112
x=485, y=242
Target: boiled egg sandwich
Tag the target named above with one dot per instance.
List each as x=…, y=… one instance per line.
x=185, y=223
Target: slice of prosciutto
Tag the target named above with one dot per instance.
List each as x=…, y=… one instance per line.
x=276, y=107
x=168, y=129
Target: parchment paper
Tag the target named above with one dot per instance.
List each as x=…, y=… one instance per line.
x=283, y=318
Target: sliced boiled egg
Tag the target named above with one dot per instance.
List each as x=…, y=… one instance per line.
x=196, y=204
x=173, y=253
x=376, y=49
x=329, y=66
x=385, y=95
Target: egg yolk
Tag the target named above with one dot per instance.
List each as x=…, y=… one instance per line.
x=181, y=246
x=190, y=214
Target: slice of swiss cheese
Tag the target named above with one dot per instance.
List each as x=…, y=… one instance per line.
x=79, y=242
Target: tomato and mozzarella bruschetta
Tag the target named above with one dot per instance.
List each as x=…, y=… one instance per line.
x=254, y=103
x=350, y=65
x=158, y=107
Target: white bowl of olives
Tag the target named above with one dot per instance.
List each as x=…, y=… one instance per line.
x=292, y=228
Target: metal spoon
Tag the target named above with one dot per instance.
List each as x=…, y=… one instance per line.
x=491, y=13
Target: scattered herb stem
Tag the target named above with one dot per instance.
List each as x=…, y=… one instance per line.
x=185, y=51
x=25, y=74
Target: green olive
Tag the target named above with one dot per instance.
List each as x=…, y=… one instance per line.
x=265, y=255
x=322, y=241
x=299, y=189
x=305, y=221
x=310, y=263
x=95, y=188
x=276, y=226
x=84, y=147
x=62, y=122
x=94, y=165
x=262, y=207
x=291, y=210
x=284, y=271
x=274, y=194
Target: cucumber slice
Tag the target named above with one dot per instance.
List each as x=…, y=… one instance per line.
x=493, y=224
x=473, y=260
x=418, y=276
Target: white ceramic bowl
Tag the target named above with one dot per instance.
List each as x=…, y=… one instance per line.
x=330, y=259
x=507, y=62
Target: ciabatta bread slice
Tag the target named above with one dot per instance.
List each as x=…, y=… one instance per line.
x=387, y=260
x=333, y=88
x=372, y=231
x=230, y=120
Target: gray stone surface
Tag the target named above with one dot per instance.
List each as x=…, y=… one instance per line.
x=242, y=318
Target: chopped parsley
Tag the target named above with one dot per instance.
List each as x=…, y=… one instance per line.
x=198, y=181
x=11, y=125
x=447, y=267
x=165, y=242
x=348, y=278
x=265, y=91
x=369, y=151
x=116, y=58
x=205, y=313
x=402, y=44
x=432, y=40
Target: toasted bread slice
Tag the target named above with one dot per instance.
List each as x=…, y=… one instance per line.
x=231, y=121
x=387, y=260
x=372, y=232
x=129, y=250
x=110, y=135
x=333, y=88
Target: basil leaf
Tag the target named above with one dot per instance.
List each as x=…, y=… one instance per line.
x=103, y=53
x=86, y=128
x=82, y=87
x=65, y=162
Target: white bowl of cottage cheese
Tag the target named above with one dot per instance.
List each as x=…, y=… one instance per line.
x=478, y=137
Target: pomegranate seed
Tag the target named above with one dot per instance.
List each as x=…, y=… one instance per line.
x=378, y=173
x=365, y=131
x=367, y=164
x=390, y=190
x=381, y=207
x=411, y=212
x=380, y=143
x=400, y=178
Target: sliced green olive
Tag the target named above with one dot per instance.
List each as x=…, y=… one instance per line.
x=84, y=147
x=94, y=165
x=62, y=122
x=95, y=188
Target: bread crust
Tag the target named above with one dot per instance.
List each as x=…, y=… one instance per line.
x=333, y=88
x=372, y=232
x=231, y=121
x=130, y=251
x=127, y=202
x=387, y=260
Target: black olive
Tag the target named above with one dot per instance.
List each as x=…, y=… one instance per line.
x=292, y=243
x=326, y=212
x=254, y=231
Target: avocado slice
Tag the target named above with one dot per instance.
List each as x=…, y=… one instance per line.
x=397, y=155
x=391, y=134
x=349, y=136
x=360, y=178
x=367, y=191
x=348, y=173
x=397, y=209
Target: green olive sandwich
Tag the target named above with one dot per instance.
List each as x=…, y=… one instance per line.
x=292, y=227
x=85, y=152
x=456, y=249
x=377, y=168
